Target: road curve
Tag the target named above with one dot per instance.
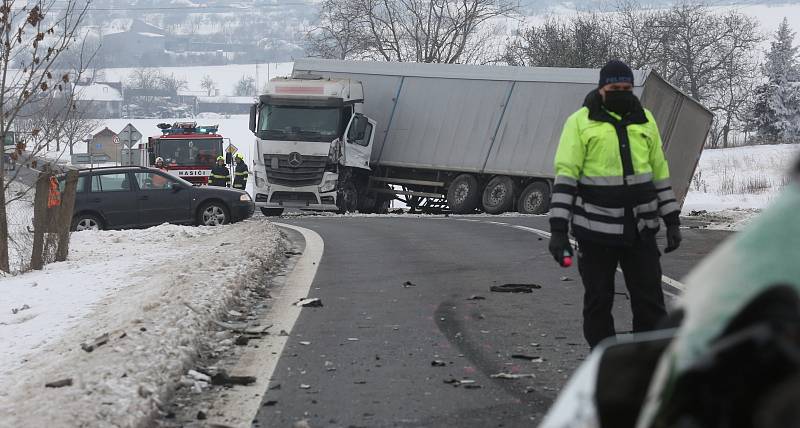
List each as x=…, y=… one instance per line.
x=402, y=292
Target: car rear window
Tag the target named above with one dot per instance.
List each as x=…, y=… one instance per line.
x=111, y=183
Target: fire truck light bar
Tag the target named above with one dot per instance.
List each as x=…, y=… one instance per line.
x=188, y=128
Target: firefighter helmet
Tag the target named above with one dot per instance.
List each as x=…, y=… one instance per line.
x=159, y=159
x=239, y=156
x=220, y=158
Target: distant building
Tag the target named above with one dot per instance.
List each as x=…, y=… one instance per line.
x=129, y=48
x=99, y=100
x=103, y=143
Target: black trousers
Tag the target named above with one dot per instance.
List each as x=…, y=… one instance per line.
x=641, y=267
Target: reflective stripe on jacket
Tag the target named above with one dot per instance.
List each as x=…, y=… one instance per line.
x=220, y=176
x=240, y=175
x=611, y=175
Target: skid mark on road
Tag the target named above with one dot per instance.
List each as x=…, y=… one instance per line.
x=665, y=279
x=452, y=327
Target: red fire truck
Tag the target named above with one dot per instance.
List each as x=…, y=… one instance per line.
x=189, y=151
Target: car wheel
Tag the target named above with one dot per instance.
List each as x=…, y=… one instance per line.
x=272, y=212
x=213, y=214
x=86, y=222
x=535, y=199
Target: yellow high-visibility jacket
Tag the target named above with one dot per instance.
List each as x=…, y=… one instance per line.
x=611, y=176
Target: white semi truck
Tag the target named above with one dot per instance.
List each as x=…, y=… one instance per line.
x=349, y=135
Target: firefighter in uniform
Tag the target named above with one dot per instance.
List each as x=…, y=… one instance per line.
x=612, y=184
x=240, y=173
x=220, y=176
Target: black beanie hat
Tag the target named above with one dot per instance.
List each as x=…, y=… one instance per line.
x=615, y=71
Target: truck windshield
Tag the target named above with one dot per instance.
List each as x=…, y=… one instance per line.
x=190, y=152
x=299, y=123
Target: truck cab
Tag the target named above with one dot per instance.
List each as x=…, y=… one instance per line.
x=313, y=145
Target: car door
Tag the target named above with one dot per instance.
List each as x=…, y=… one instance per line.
x=358, y=141
x=162, y=198
x=112, y=195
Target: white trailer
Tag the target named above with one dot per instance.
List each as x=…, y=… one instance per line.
x=466, y=138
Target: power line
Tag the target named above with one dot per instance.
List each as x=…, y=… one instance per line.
x=202, y=9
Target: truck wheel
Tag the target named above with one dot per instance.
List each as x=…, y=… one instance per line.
x=347, y=198
x=213, y=214
x=498, y=196
x=86, y=222
x=463, y=195
x=272, y=212
x=535, y=199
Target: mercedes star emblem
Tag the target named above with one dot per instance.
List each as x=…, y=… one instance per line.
x=295, y=159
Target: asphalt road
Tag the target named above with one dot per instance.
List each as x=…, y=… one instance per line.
x=366, y=355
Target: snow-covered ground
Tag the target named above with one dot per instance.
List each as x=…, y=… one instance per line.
x=731, y=186
x=133, y=285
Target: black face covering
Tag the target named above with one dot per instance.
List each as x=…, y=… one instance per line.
x=620, y=102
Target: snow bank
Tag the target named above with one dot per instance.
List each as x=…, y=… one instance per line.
x=132, y=285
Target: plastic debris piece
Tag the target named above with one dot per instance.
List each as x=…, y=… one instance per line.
x=515, y=288
x=512, y=375
x=438, y=363
x=59, y=383
x=409, y=284
x=310, y=303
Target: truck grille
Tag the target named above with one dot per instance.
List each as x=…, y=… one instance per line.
x=308, y=173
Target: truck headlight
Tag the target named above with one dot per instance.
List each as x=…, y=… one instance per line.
x=245, y=198
x=327, y=186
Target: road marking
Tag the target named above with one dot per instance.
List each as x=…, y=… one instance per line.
x=240, y=405
x=665, y=279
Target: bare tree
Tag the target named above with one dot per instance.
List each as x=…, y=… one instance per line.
x=339, y=33
x=145, y=78
x=442, y=31
x=34, y=36
x=580, y=41
x=208, y=84
x=245, y=87
x=172, y=83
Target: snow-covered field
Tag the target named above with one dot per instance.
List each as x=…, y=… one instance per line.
x=731, y=186
x=132, y=285
x=224, y=76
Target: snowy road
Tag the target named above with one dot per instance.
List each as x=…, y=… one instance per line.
x=365, y=358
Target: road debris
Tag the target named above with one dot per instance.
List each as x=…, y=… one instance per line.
x=292, y=253
x=201, y=415
x=515, y=288
x=512, y=375
x=309, y=302
x=59, y=383
x=222, y=378
x=283, y=333
x=352, y=339
x=526, y=357
x=467, y=383
x=409, y=284
x=14, y=311
x=438, y=363
x=304, y=342
x=199, y=376
x=566, y=278
x=241, y=340
x=304, y=386
x=270, y=403
x=329, y=366
x=476, y=297
x=96, y=343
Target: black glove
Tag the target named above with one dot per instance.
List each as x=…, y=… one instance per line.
x=559, y=243
x=673, y=238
